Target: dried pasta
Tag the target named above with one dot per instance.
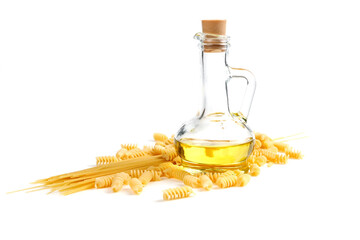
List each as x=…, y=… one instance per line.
x=119, y=180
x=281, y=146
x=158, y=149
x=242, y=180
x=169, y=141
x=166, y=165
x=257, y=143
x=120, y=154
x=176, y=173
x=136, y=185
x=274, y=157
x=205, y=182
x=129, y=146
x=160, y=143
x=169, y=154
x=191, y=181
x=160, y=137
x=254, y=170
x=291, y=153
x=260, y=160
x=226, y=181
x=213, y=176
x=176, y=193
x=136, y=173
x=150, y=163
x=106, y=160
x=177, y=160
x=267, y=144
x=103, y=182
x=134, y=153
x=146, y=177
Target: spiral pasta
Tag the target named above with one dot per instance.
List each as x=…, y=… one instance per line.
x=226, y=181
x=213, y=176
x=169, y=154
x=260, y=136
x=160, y=143
x=146, y=177
x=129, y=146
x=266, y=144
x=177, y=161
x=254, y=170
x=273, y=149
x=147, y=150
x=294, y=154
x=281, y=146
x=119, y=180
x=120, y=154
x=166, y=165
x=133, y=153
x=176, y=193
x=157, y=168
x=205, y=182
x=136, y=185
x=103, y=182
x=160, y=137
x=158, y=149
x=176, y=173
x=257, y=143
x=260, y=160
x=106, y=160
x=238, y=172
x=191, y=181
x=242, y=180
x=274, y=157
x=136, y=173
x=169, y=141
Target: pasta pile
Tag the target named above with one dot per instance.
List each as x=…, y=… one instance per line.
x=137, y=167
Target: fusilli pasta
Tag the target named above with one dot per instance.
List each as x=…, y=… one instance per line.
x=136, y=185
x=226, y=181
x=242, y=180
x=205, y=182
x=160, y=137
x=176, y=193
x=146, y=177
x=106, y=160
x=103, y=182
x=191, y=181
x=254, y=170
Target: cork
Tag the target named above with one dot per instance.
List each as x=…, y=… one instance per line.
x=212, y=43
x=214, y=26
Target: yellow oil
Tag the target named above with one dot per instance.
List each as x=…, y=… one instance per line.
x=213, y=154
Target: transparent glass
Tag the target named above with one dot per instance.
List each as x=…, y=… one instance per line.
x=218, y=137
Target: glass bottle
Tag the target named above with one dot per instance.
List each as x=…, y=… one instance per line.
x=218, y=137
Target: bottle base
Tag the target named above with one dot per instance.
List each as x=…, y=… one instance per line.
x=214, y=167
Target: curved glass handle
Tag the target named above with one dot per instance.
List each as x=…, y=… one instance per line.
x=248, y=91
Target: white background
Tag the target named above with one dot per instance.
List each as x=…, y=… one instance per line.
x=78, y=78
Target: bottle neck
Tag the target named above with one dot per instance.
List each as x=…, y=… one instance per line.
x=215, y=72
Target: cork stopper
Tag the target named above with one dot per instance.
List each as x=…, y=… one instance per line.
x=213, y=43
x=214, y=26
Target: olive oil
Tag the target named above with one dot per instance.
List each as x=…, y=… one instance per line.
x=212, y=154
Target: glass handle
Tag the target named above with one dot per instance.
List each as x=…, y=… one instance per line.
x=248, y=91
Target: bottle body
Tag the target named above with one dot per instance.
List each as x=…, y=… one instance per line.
x=217, y=138
x=214, y=142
